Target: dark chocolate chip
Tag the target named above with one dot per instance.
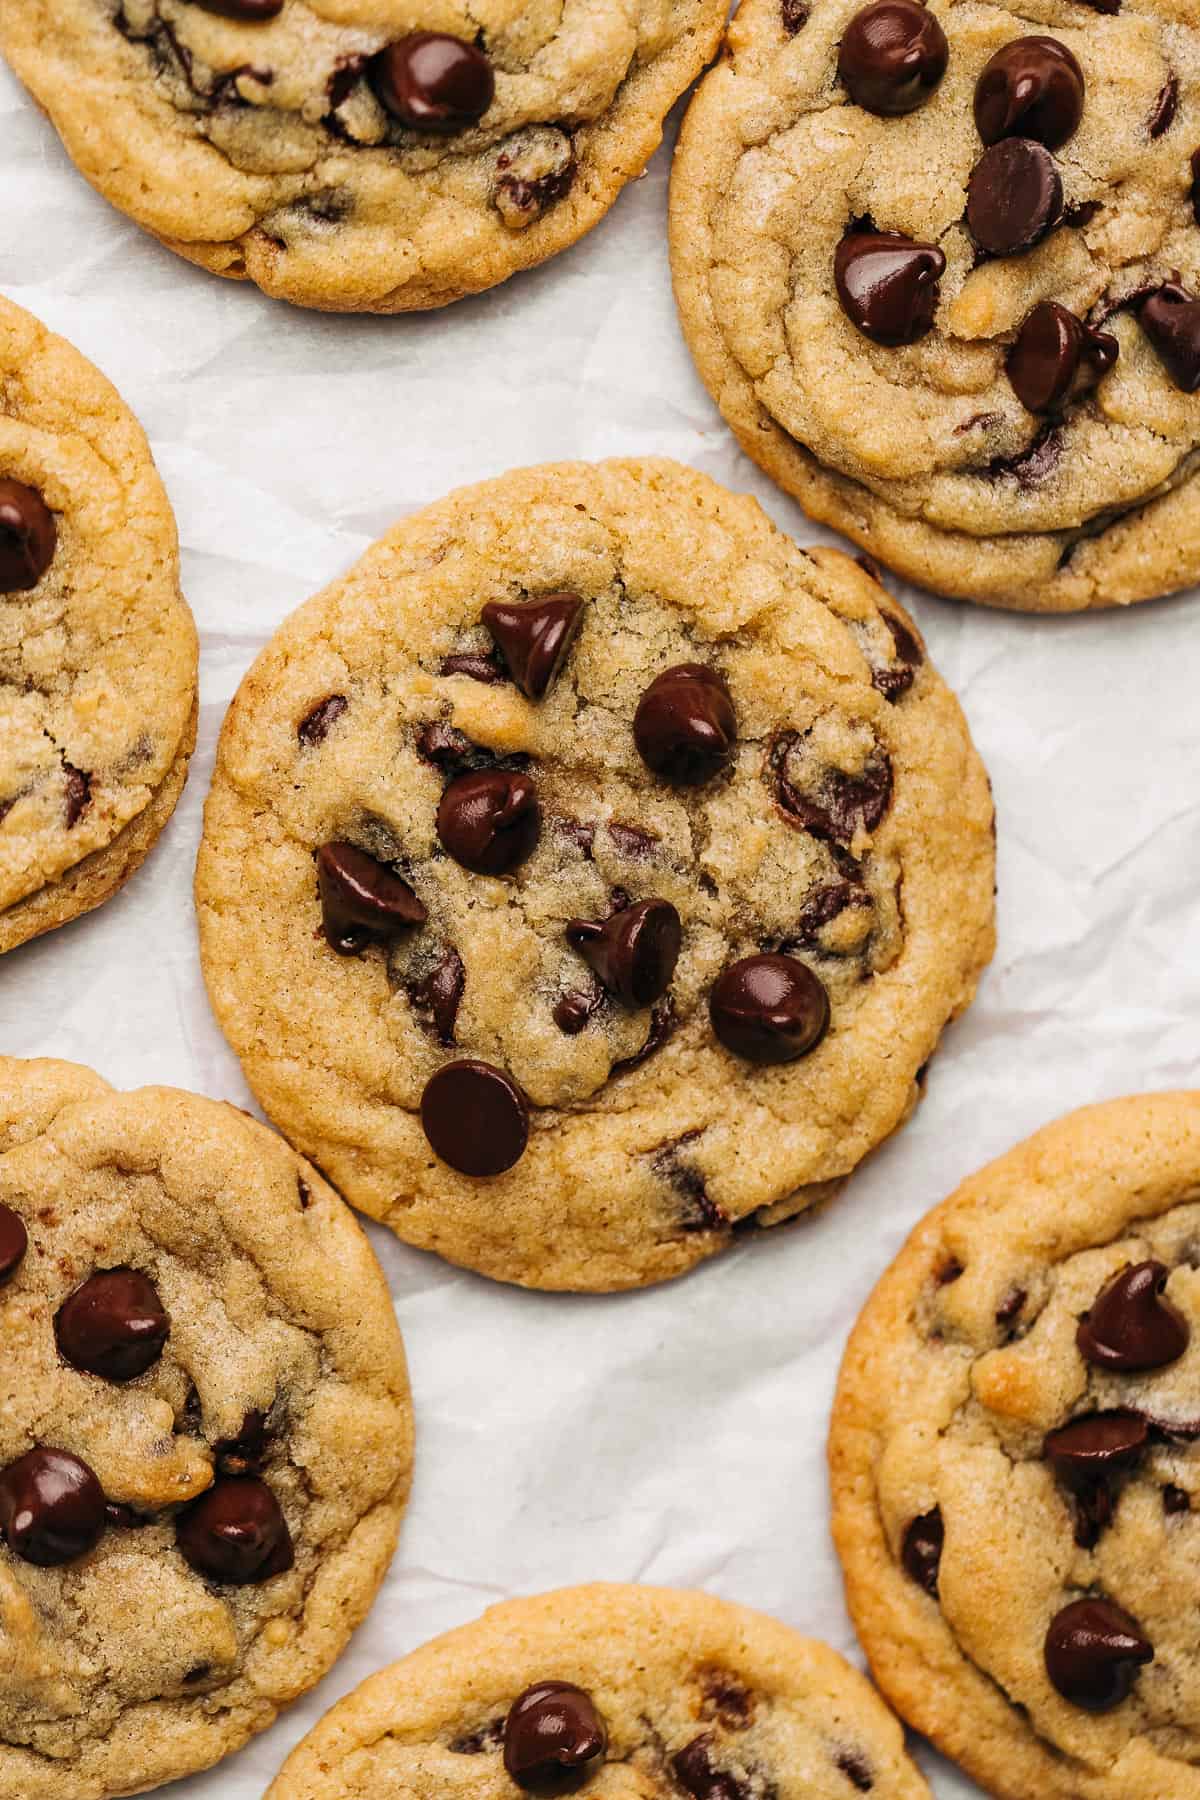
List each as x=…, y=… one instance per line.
x=856, y=1769
x=1165, y=107
x=1010, y=1306
x=490, y=820
x=236, y=1533
x=433, y=82
x=438, y=995
x=1032, y=88
x=908, y=648
x=51, y=1507
x=888, y=285
x=769, y=1009
x=1093, y=1653
x=1171, y=320
x=573, y=1010
x=697, y=1774
x=685, y=726
x=119, y=1517
x=663, y=1021
x=634, y=952
x=478, y=1742
x=1132, y=1325
x=347, y=71
x=630, y=841
x=28, y=536
x=893, y=55
x=843, y=804
x=1097, y=1445
x=726, y=1699
x=247, y=12
x=553, y=1737
x=921, y=1551
x=1176, y=1499
x=1014, y=196
x=14, y=1241
x=315, y=726
x=362, y=900
x=534, y=637
x=701, y=1212
x=475, y=665
x=1057, y=356
x=1034, y=465
x=795, y=15
x=115, y=1325
x=77, y=793
x=243, y=1454
x=475, y=1118
x=446, y=748
x=826, y=903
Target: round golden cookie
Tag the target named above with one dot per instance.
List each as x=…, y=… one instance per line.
x=1016, y=1479
x=97, y=646
x=467, y=942
x=205, y=1431
x=330, y=152
x=645, y=1692
x=972, y=347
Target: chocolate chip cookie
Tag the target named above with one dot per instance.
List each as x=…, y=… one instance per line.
x=633, y=1692
x=97, y=646
x=940, y=269
x=205, y=1431
x=358, y=158
x=1016, y=1478
x=591, y=872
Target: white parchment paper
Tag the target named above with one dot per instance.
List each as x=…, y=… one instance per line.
x=675, y=1435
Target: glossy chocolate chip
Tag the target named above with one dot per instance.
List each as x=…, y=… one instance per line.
x=1131, y=1324
x=1170, y=318
x=1093, y=1652
x=115, y=1325
x=572, y=1010
x=362, y=900
x=634, y=952
x=236, y=1533
x=316, y=725
x=1096, y=1446
x=475, y=1118
x=534, y=638
x=490, y=820
x=437, y=995
x=51, y=1507
x=1014, y=196
x=553, y=1737
x=1032, y=88
x=243, y=1453
x=1165, y=107
x=14, y=1241
x=893, y=55
x=685, y=726
x=1056, y=356
x=769, y=1009
x=433, y=82
x=28, y=536
x=888, y=285
x=921, y=1551
x=698, y=1775
x=248, y=12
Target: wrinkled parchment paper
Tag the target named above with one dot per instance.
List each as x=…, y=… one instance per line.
x=675, y=1435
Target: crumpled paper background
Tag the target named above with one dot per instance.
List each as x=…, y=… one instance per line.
x=676, y=1435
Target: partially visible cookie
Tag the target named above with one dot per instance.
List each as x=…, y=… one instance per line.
x=357, y=158
x=940, y=269
x=621, y=1693
x=97, y=646
x=205, y=1431
x=1016, y=1477
x=591, y=871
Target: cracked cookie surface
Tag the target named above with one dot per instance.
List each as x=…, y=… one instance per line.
x=1014, y=1459
x=201, y=1351
x=283, y=143
x=929, y=444
x=97, y=646
x=639, y=1693
x=444, y=923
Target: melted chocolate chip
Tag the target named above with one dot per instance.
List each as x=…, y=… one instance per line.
x=475, y=1118
x=77, y=794
x=1014, y=196
x=362, y=900
x=1010, y=1306
x=1171, y=320
x=634, y=952
x=888, y=285
x=842, y=805
x=1088, y=1456
x=1093, y=1653
x=316, y=725
x=697, y=1774
x=726, y=1699
x=795, y=15
x=447, y=749
x=114, y=1326
x=553, y=1737
x=630, y=841
x=119, y=1517
x=490, y=821
x=687, y=1181
x=14, y=1241
x=28, y=536
x=1056, y=356
x=685, y=726
x=921, y=1551
x=1034, y=465
x=51, y=1507
x=1132, y=1325
x=246, y=12
x=478, y=1742
x=893, y=54
x=1165, y=107
x=347, y=72
x=432, y=82
x=856, y=1769
x=663, y=1021
x=821, y=907
x=769, y=1009
x=908, y=647
x=534, y=638
x=573, y=1010
x=236, y=1533
x=474, y=665
x=1176, y=1499
x=438, y=995
x=1032, y=88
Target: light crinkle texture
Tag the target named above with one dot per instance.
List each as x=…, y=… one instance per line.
x=125, y=1668
x=261, y=150
x=98, y=661
x=924, y=454
x=649, y=1141
x=963, y=1360
x=780, y=1715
